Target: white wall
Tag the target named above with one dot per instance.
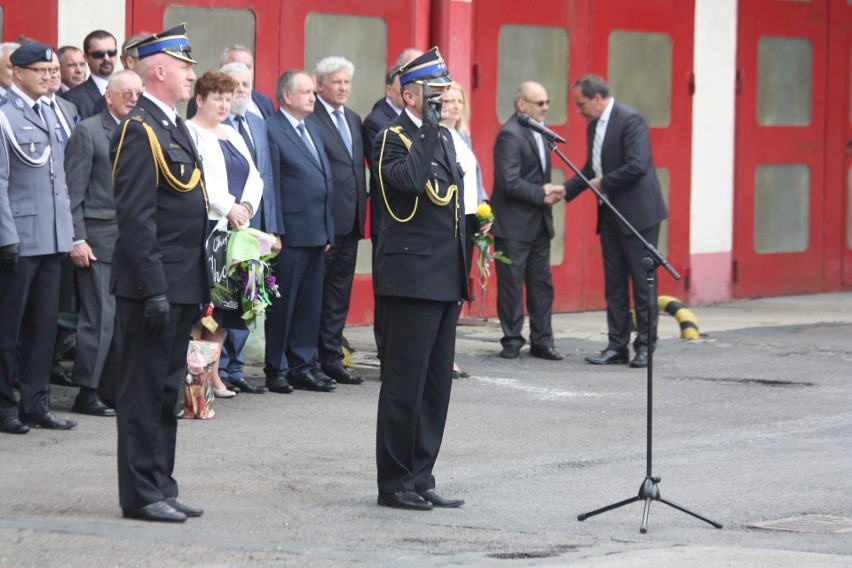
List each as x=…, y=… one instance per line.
x=79, y=17
x=711, y=216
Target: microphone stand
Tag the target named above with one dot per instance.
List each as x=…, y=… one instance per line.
x=649, y=490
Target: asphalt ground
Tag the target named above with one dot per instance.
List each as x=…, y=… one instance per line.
x=752, y=424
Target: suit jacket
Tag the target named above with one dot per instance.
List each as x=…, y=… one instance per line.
x=303, y=187
x=518, y=198
x=69, y=112
x=269, y=217
x=161, y=231
x=84, y=96
x=263, y=102
x=629, y=176
x=424, y=256
x=34, y=206
x=347, y=172
x=381, y=115
x=88, y=170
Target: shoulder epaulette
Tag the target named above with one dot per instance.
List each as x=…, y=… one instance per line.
x=398, y=131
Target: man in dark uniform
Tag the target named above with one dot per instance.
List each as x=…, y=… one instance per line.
x=159, y=275
x=420, y=279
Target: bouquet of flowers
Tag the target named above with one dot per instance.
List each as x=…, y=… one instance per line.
x=484, y=243
x=249, y=252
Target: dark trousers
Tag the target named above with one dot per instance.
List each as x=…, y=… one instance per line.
x=152, y=376
x=417, y=365
x=96, y=361
x=29, y=306
x=336, y=294
x=67, y=303
x=293, y=321
x=622, y=260
x=231, y=361
x=377, y=302
x=531, y=268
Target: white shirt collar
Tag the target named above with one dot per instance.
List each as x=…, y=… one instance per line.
x=327, y=106
x=417, y=122
x=170, y=112
x=395, y=108
x=100, y=83
x=290, y=117
x=14, y=88
x=607, y=111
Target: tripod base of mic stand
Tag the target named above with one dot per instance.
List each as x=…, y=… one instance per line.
x=648, y=492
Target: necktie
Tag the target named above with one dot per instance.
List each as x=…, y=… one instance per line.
x=38, y=113
x=306, y=141
x=344, y=133
x=600, y=130
x=539, y=141
x=241, y=128
x=62, y=133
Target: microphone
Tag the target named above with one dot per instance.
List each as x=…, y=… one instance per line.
x=528, y=122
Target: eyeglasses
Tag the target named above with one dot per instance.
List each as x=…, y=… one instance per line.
x=44, y=71
x=545, y=102
x=128, y=94
x=100, y=53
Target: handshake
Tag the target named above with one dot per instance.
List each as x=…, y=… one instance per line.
x=553, y=192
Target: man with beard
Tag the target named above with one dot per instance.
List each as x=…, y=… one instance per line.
x=101, y=53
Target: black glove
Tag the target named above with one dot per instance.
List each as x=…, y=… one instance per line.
x=201, y=309
x=9, y=257
x=432, y=104
x=156, y=315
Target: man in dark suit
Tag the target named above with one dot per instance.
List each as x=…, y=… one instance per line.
x=159, y=275
x=340, y=128
x=259, y=104
x=619, y=163
x=101, y=53
x=253, y=130
x=88, y=169
x=421, y=280
x=302, y=179
x=35, y=232
x=523, y=227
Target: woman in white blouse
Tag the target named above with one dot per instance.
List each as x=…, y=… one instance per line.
x=233, y=184
x=454, y=113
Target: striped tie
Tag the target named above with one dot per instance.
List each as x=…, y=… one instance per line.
x=596, y=148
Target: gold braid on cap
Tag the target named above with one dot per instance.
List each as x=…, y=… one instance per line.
x=431, y=192
x=161, y=165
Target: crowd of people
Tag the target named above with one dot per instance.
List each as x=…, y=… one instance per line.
x=107, y=197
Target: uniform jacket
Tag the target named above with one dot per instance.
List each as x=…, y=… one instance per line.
x=269, y=218
x=84, y=96
x=347, y=172
x=381, y=115
x=629, y=177
x=88, y=170
x=161, y=231
x=423, y=257
x=34, y=206
x=517, y=197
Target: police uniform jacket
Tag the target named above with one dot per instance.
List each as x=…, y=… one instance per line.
x=34, y=207
x=420, y=253
x=161, y=230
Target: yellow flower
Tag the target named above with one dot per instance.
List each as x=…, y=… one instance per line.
x=483, y=212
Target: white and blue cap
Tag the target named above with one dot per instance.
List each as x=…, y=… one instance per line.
x=30, y=53
x=427, y=69
x=172, y=42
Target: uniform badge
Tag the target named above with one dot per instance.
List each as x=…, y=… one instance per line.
x=19, y=103
x=32, y=148
x=181, y=170
x=166, y=123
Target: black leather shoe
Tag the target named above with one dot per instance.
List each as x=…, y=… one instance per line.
x=432, y=496
x=278, y=384
x=608, y=357
x=548, y=353
x=159, y=512
x=231, y=386
x=11, y=425
x=404, y=500
x=339, y=373
x=49, y=421
x=309, y=381
x=92, y=405
x=187, y=510
x=640, y=361
x=60, y=378
x=510, y=351
x=243, y=385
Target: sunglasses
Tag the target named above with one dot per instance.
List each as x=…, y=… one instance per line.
x=100, y=53
x=128, y=94
x=545, y=102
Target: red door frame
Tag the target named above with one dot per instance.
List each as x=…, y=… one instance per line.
x=780, y=273
x=38, y=19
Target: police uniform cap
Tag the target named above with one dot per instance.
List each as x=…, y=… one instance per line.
x=172, y=42
x=428, y=68
x=30, y=53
